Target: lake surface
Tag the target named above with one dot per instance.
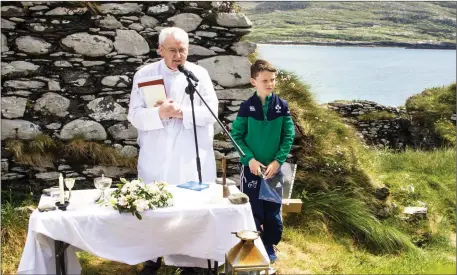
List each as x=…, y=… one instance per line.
x=385, y=75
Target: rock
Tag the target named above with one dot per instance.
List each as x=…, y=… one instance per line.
x=24, y=129
x=39, y=8
x=237, y=20
x=5, y=165
x=33, y=45
x=232, y=117
x=106, y=109
x=220, y=145
x=16, y=19
x=131, y=18
x=131, y=43
x=415, y=212
x=108, y=171
x=77, y=78
x=12, y=176
x=116, y=81
x=6, y=24
x=136, y=27
x=240, y=31
x=10, y=11
x=382, y=193
x=149, y=21
x=110, y=22
x=88, y=97
x=53, y=85
x=118, y=147
x=217, y=49
x=92, y=63
x=228, y=70
x=233, y=108
x=118, y=8
x=135, y=60
x=4, y=44
x=129, y=151
x=206, y=34
x=200, y=51
x=123, y=131
x=87, y=44
x=64, y=167
x=89, y=129
x=52, y=103
x=67, y=11
x=13, y=107
x=217, y=128
x=48, y=176
x=54, y=126
x=236, y=94
x=161, y=9
x=20, y=93
x=244, y=48
x=18, y=68
x=218, y=155
x=23, y=84
x=62, y=63
x=186, y=21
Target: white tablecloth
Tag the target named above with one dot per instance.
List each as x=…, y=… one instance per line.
x=195, y=229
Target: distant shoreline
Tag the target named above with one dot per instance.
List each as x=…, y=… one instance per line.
x=432, y=46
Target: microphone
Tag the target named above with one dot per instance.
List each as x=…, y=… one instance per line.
x=187, y=73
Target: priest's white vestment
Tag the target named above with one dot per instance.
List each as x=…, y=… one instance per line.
x=167, y=146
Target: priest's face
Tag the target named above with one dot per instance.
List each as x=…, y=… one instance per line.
x=174, y=52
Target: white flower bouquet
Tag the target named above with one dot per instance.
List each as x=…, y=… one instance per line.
x=135, y=196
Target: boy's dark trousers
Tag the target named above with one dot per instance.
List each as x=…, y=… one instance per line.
x=265, y=212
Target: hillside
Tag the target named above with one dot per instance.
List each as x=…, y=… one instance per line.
x=406, y=24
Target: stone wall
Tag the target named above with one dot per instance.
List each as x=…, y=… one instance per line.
x=67, y=70
x=396, y=130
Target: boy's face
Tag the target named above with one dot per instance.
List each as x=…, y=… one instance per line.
x=264, y=82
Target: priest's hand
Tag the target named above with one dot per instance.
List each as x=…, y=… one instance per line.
x=254, y=166
x=272, y=168
x=168, y=108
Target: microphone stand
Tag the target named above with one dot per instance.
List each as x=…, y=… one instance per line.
x=190, y=90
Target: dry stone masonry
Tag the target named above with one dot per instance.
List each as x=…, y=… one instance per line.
x=67, y=70
x=398, y=130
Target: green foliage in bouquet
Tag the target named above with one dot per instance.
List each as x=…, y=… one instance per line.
x=135, y=196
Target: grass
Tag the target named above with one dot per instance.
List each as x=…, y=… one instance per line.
x=313, y=247
x=305, y=22
x=14, y=233
x=302, y=253
x=42, y=151
x=433, y=108
x=377, y=115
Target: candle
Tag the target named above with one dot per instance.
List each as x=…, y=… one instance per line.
x=61, y=197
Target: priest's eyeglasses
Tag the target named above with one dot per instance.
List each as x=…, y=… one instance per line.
x=175, y=51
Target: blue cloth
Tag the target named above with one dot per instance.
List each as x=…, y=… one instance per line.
x=265, y=212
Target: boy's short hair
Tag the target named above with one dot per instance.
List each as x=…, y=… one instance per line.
x=261, y=65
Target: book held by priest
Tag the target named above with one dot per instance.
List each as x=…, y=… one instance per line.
x=153, y=89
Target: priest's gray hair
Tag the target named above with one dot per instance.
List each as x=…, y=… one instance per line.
x=178, y=34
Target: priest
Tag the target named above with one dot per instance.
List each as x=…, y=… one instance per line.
x=165, y=130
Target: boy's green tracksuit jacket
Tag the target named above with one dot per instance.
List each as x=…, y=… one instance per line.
x=264, y=132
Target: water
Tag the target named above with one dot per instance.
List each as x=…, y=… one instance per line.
x=385, y=75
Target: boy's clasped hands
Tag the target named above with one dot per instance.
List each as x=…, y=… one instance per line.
x=270, y=170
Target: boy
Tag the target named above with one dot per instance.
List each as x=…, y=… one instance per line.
x=265, y=132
